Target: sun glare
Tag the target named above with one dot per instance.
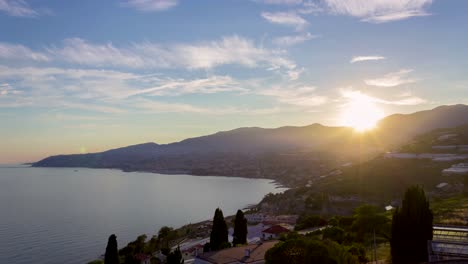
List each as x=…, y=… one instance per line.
x=361, y=112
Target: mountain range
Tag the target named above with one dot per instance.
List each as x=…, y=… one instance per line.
x=220, y=153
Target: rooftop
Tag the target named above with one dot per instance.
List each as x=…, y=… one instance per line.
x=449, y=242
x=276, y=229
x=237, y=254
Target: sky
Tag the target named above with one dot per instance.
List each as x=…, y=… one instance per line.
x=85, y=76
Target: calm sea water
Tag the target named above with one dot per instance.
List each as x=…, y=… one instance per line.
x=63, y=215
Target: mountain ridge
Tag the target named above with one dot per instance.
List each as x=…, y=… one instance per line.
x=239, y=152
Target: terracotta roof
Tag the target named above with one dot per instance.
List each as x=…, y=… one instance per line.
x=237, y=254
x=276, y=229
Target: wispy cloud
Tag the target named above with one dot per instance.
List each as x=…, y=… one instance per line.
x=293, y=39
x=304, y=96
x=280, y=2
x=379, y=11
x=392, y=79
x=79, y=51
x=286, y=18
x=151, y=5
x=6, y=89
x=310, y=7
x=407, y=101
x=153, y=106
x=210, y=85
x=205, y=55
x=294, y=74
x=20, y=52
x=106, y=91
x=110, y=85
x=19, y=8
x=366, y=58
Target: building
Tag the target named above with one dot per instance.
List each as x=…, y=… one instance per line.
x=252, y=254
x=460, y=168
x=255, y=218
x=190, y=248
x=280, y=219
x=274, y=232
x=449, y=244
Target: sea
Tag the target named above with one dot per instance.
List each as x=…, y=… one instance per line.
x=65, y=215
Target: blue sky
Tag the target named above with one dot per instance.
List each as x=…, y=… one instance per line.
x=80, y=76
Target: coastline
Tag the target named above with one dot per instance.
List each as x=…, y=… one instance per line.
x=276, y=183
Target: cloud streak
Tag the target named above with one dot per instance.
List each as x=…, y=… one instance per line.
x=379, y=11
x=286, y=18
x=207, y=55
x=231, y=50
x=151, y=5
x=210, y=85
x=392, y=79
x=304, y=96
x=281, y=2
x=407, y=101
x=20, y=52
x=112, y=92
x=366, y=58
x=294, y=39
x=17, y=8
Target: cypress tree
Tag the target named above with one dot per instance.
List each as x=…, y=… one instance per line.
x=240, y=229
x=411, y=228
x=175, y=257
x=112, y=255
x=219, y=232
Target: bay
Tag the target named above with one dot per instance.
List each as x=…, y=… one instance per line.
x=65, y=215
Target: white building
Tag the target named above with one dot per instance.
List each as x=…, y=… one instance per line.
x=255, y=218
x=274, y=232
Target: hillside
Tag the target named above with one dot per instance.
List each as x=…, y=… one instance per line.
x=383, y=181
x=285, y=153
x=399, y=128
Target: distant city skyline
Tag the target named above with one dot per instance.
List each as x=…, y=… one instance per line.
x=86, y=76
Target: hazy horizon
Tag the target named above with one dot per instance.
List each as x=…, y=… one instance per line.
x=87, y=76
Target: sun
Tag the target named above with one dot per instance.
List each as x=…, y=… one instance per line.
x=361, y=112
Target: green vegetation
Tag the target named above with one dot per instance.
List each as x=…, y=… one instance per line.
x=98, y=261
x=308, y=221
x=219, y=233
x=369, y=220
x=111, y=256
x=411, y=228
x=384, y=180
x=450, y=211
x=175, y=257
x=165, y=235
x=128, y=253
x=300, y=249
x=424, y=142
x=240, y=229
x=355, y=233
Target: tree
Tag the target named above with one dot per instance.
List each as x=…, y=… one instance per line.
x=307, y=221
x=367, y=219
x=133, y=248
x=240, y=229
x=112, y=255
x=219, y=232
x=175, y=257
x=411, y=228
x=165, y=235
x=306, y=250
x=334, y=233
